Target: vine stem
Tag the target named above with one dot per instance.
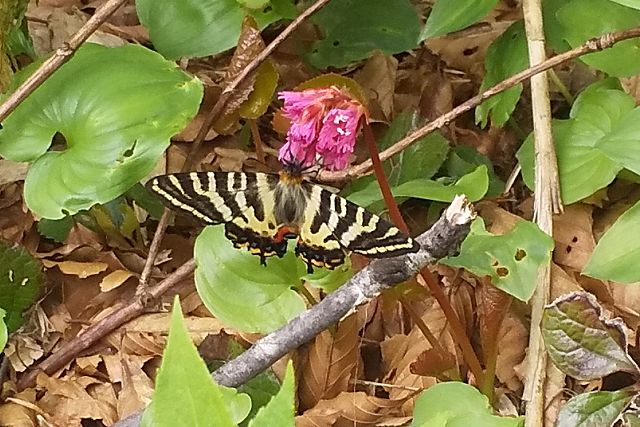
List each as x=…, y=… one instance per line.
x=457, y=330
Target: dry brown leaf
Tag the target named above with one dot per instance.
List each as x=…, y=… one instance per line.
x=114, y=279
x=332, y=360
x=378, y=80
x=12, y=171
x=22, y=352
x=493, y=306
x=347, y=410
x=80, y=269
x=19, y=410
x=137, y=389
x=512, y=343
x=573, y=234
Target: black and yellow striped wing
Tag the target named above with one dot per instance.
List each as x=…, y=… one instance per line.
x=260, y=211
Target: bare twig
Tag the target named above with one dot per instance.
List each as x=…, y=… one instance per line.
x=61, y=55
x=142, y=290
x=600, y=43
x=441, y=240
x=546, y=203
x=119, y=316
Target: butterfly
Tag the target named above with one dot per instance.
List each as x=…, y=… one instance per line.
x=262, y=211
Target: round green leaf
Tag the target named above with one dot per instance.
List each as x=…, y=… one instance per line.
x=355, y=28
x=20, y=282
x=586, y=19
x=239, y=291
x=453, y=15
x=116, y=109
x=617, y=253
x=194, y=28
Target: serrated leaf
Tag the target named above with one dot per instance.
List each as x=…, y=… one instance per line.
x=116, y=108
x=356, y=28
x=185, y=394
x=594, y=145
x=20, y=282
x=4, y=333
x=279, y=412
x=473, y=185
x=618, y=250
x=595, y=409
x=196, y=28
x=585, y=19
x=506, y=56
x=448, y=16
x=512, y=260
x=55, y=229
x=456, y=404
x=580, y=342
x=239, y=291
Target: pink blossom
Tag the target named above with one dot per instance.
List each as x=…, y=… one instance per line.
x=324, y=122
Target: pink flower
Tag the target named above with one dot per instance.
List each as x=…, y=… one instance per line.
x=324, y=123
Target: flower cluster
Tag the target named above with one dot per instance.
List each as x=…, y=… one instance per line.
x=324, y=123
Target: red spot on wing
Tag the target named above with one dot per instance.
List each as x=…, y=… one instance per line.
x=285, y=233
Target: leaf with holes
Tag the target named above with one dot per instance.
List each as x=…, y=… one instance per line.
x=506, y=56
x=618, y=250
x=185, y=394
x=457, y=404
x=355, y=28
x=581, y=342
x=20, y=282
x=596, y=409
x=512, y=260
x=116, y=110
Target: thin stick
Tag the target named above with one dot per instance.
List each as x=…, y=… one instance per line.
x=119, y=316
x=142, y=290
x=61, y=55
x=600, y=43
x=250, y=68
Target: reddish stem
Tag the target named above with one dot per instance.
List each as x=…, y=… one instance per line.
x=457, y=330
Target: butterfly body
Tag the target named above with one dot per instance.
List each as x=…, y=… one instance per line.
x=262, y=211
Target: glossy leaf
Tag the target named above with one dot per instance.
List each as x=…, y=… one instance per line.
x=456, y=404
x=195, y=28
x=473, y=185
x=353, y=29
x=239, y=291
x=618, y=250
x=585, y=19
x=279, y=412
x=4, y=333
x=581, y=342
x=512, y=260
x=185, y=394
x=506, y=56
x=594, y=144
x=595, y=409
x=448, y=16
x=116, y=108
x=20, y=283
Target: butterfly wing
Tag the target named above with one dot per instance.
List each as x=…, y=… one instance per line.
x=244, y=202
x=333, y=224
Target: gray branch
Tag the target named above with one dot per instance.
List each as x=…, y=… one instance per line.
x=441, y=240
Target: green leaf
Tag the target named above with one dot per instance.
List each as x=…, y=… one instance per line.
x=506, y=56
x=512, y=260
x=185, y=394
x=330, y=280
x=629, y=3
x=239, y=291
x=595, y=409
x=146, y=200
x=463, y=160
x=279, y=412
x=195, y=28
x=553, y=30
x=261, y=389
x=594, y=145
x=618, y=250
x=355, y=28
x=631, y=419
x=580, y=342
x=20, y=282
x=116, y=108
x=452, y=15
x=456, y=404
x=55, y=229
x=474, y=185
x=585, y=19
x=4, y=333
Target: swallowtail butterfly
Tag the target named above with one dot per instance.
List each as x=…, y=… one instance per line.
x=261, y=211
